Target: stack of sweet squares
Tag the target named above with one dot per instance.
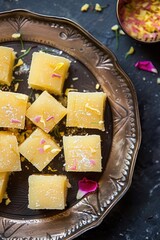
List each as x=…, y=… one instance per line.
x=84, y=110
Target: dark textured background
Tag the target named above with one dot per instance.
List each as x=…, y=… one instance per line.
x=137, y=215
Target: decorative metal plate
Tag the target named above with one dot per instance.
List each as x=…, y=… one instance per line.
x=92, y=63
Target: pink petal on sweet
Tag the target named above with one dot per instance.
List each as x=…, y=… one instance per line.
x=42, y=141
x=146, y=66
x=37, y=119
x=56, y=75
x=92, y=162
x=86, y=186
x=74, y=167
x=49, y=118
x=13, y=120
x=41, y=150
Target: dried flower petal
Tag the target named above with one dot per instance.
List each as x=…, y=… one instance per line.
x=8, y=201
x=140, y=19
x=46, y=147
x=41, y=150
x=85, y=7
x=92, y=162
x=54, y=150
x=16, y=86
x=146, y=66
x=97, y=86
x=56, y=75
x=98, y=7
x=74, y=167
x=75, y=78
x=158, y=80
x=51, y=169
x=42, y=141
x=70, y=90
x=49, y=118
x=130, y=52
x=19, y=63
x=13, y=120
x=42, y=121
x=115, y=27
x=86, y=186
x=16, y=35
x=37, y=119
x=121, y=32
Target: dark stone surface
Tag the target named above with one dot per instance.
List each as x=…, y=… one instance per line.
x=137, y=215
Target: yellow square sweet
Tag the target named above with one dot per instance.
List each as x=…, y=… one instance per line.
x=12, y=109
x=3, y=184
x=7, y=57
x=82, y=153
x=86, y=110
x=39, y=148
x=46, y=112
x=47, y=191
x=9, y=154
x=48, y=72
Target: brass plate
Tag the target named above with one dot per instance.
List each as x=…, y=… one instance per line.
x=92, y=63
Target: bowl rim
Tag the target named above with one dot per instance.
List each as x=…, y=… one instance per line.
x=121, y=25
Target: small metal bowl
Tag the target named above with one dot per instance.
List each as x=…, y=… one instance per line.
x=149, y=37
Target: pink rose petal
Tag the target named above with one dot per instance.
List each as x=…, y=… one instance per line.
x=146, y=66
x=86, y=186
x=56, y=75
x=41, y=150
x=13, y=120
x=49, y=118
x=37, y=119
x=92, y=162
x=42, y=141
x=74, y=167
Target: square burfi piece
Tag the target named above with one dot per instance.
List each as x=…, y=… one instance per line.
x=48, y=72
x=7, y=57
x=13, y=109
x=47, y=191
x=46, y=112
x=39, y=149
x=82, y=153
x=9, y=154
x=4, y=176
x=86, y=110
